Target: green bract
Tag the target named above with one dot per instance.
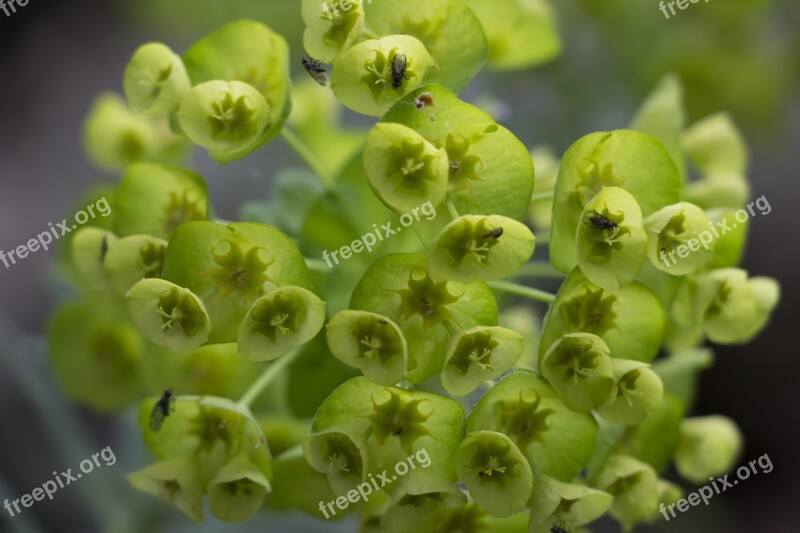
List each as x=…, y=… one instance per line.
x=579, y=368
x=168, y=315
x=681, y=229
x=448, y=28
x=708, y=446
x=237, y=491
x=491, y=172
x=370, y=342
x=611, y=240
x=250, y=56
x=634, y=486
x=639, y=391
x=477, y=355
x=174, y=481
x=89, y=247
x=420, y=501
x=155, y=199
x=330, y=28
x=155, y=80
x=629, y=320
x=627, y=159
x=403, y=168
x=495, y=472
x=475, y=247
x=556, y=440
x=399, y=287
x=225, y=117
x=229, y=267
x=521, y=34
x=372, y=75
x=557, y=503
x=131, y=259
x=340, y=454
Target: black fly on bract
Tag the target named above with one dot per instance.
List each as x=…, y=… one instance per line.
x=595, y=220
x=161, y=410
x=399, y=63
x=315, y=69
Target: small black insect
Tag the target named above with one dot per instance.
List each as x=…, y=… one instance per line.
x=424, y=100
x=161, y=410
x=315, y=70
x=399, y=63
x=496, y=233
x=558, y=529
x=382, y=321
x=595, y=220
x=103, y=249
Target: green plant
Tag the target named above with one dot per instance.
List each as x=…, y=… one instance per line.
x=574, y=419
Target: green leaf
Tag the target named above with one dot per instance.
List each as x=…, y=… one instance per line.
x=653, y=441
x=633, y=161
x=556, y=440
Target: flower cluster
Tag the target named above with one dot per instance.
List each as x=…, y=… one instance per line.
x=410, y=348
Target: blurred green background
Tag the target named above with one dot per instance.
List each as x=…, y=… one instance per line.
x=742, y=56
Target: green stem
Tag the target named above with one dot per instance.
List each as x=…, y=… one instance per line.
x=451, y=207
x=317, y=265
x=266, y=377
x=307, y=155
x=539, y=269
x=522, y=290
x=547, y=195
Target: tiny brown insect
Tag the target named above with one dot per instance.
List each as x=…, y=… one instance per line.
x=315, y=70
x=161, y=410
x=595, y=220
x=496, y=233
x=424, y=100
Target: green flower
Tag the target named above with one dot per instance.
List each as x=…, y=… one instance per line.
x=399, y=417
x=427, y=298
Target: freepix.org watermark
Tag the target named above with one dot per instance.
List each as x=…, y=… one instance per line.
x=364, y=489
x=705, y=493
x=332, y=9
x=44, y=239
x=366, y=242
x=59, y=481
x=9, y=7
x=705, y=238
x=681, y=4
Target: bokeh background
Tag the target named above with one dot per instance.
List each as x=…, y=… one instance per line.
x=742, y=56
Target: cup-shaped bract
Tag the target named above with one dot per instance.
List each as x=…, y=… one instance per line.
x=578, y=367
x=398, y=422
x=132, y=259
x=478, y=247
x=225, y=117
x=495, y=471
x=708, y=446
x=611, y=240
x=250, y=52
x=639, y=391
x=731, y=307
x=229, y=267
x=419, y=502
x=88, y=249
x=280, y=320
x=372, y=75
x=174, y=481
x=630, y=320
x=155, y=199
x=237, y=491
x=155, y=80
x=556, y=440
x=448, y=28
x=680, y=229
x=370, y=342
x=330, y=28
x=339, y=453
x=399, y=286
x=477, y=355
x=490, y=169
x=97, y=354
x=555, y=502
x=168, y=315
x=403, y=168
x=630, y=160
x=634, y=486
x=115, y=137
